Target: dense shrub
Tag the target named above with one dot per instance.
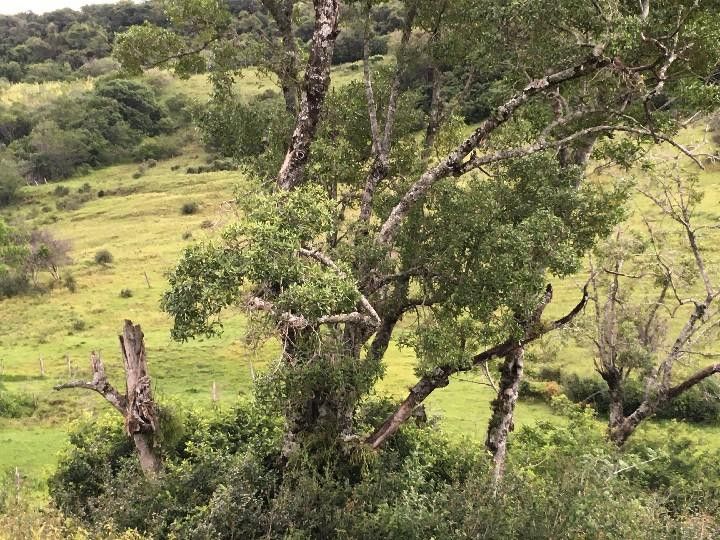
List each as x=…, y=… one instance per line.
x=15, y=405
x=160, y=147
x=104, y=257
x=222, y=479
x=189, y=208
x=52, y=152
x=10, y=180
x=138, y=105
x=349, y=46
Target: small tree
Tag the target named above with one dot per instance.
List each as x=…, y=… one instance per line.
x=10, y=180
x=645, y=286
x=47, y=253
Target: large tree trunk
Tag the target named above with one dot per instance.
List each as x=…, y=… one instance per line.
x=501, y=422
x=315, y=86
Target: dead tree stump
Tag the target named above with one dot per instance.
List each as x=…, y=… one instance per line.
x=137, y=405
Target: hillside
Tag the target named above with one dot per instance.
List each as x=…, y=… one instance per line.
x=139, y=220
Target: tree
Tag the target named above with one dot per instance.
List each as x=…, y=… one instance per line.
x=13, y=253
x=10, y=179
x=367, y=225
x=643, y=289
x=46, y=253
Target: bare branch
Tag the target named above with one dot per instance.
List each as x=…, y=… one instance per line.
x=297, y=322
x=694, y=379
x=100, y=385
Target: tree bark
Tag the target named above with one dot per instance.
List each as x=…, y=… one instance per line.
x=141, y=421
x=315, y=86
x=435, y=116
x=501, y=422
x=281, y=12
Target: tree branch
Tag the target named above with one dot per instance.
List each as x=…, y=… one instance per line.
x=100, y=385
x=498, y=117
x=439, y=378
x=316, y=84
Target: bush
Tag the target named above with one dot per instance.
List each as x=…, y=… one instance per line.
x=187, y=235
x=103, y=257
x=61, y=191
x=126, y=293
x=206, y=224
x=222, y=479
x=16, y=405
x=10, y=180
x=138, y=105
x=78, y=325
x=70, y=282
x=54, y=153
x=157, y=148
x=137, y=174
x=189, y=208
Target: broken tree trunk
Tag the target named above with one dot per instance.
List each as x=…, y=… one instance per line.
x=137, y=405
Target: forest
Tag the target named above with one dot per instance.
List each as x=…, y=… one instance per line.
x=360, y=269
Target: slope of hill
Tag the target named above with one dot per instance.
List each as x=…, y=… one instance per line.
x=139, y=220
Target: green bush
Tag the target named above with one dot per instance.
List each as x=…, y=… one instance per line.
x=10, y=180
x=157, y=148
x=189, y=208
x=15, y=405
x=126, y=293
x=222, y=479
x=104, y=257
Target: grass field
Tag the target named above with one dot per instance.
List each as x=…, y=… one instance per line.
x=139, y=221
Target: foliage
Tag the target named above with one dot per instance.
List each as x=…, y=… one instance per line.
x=222, y=479
x=103, y=257
x=65, y=42
x=10, y=179
x=15, y=405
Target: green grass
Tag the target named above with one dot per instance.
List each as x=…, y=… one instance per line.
x=142, y=226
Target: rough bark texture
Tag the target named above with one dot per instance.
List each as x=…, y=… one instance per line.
x=435, y=116
x=136, y=406
x=315, y=86
x=141, y=420
x=501, y=422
